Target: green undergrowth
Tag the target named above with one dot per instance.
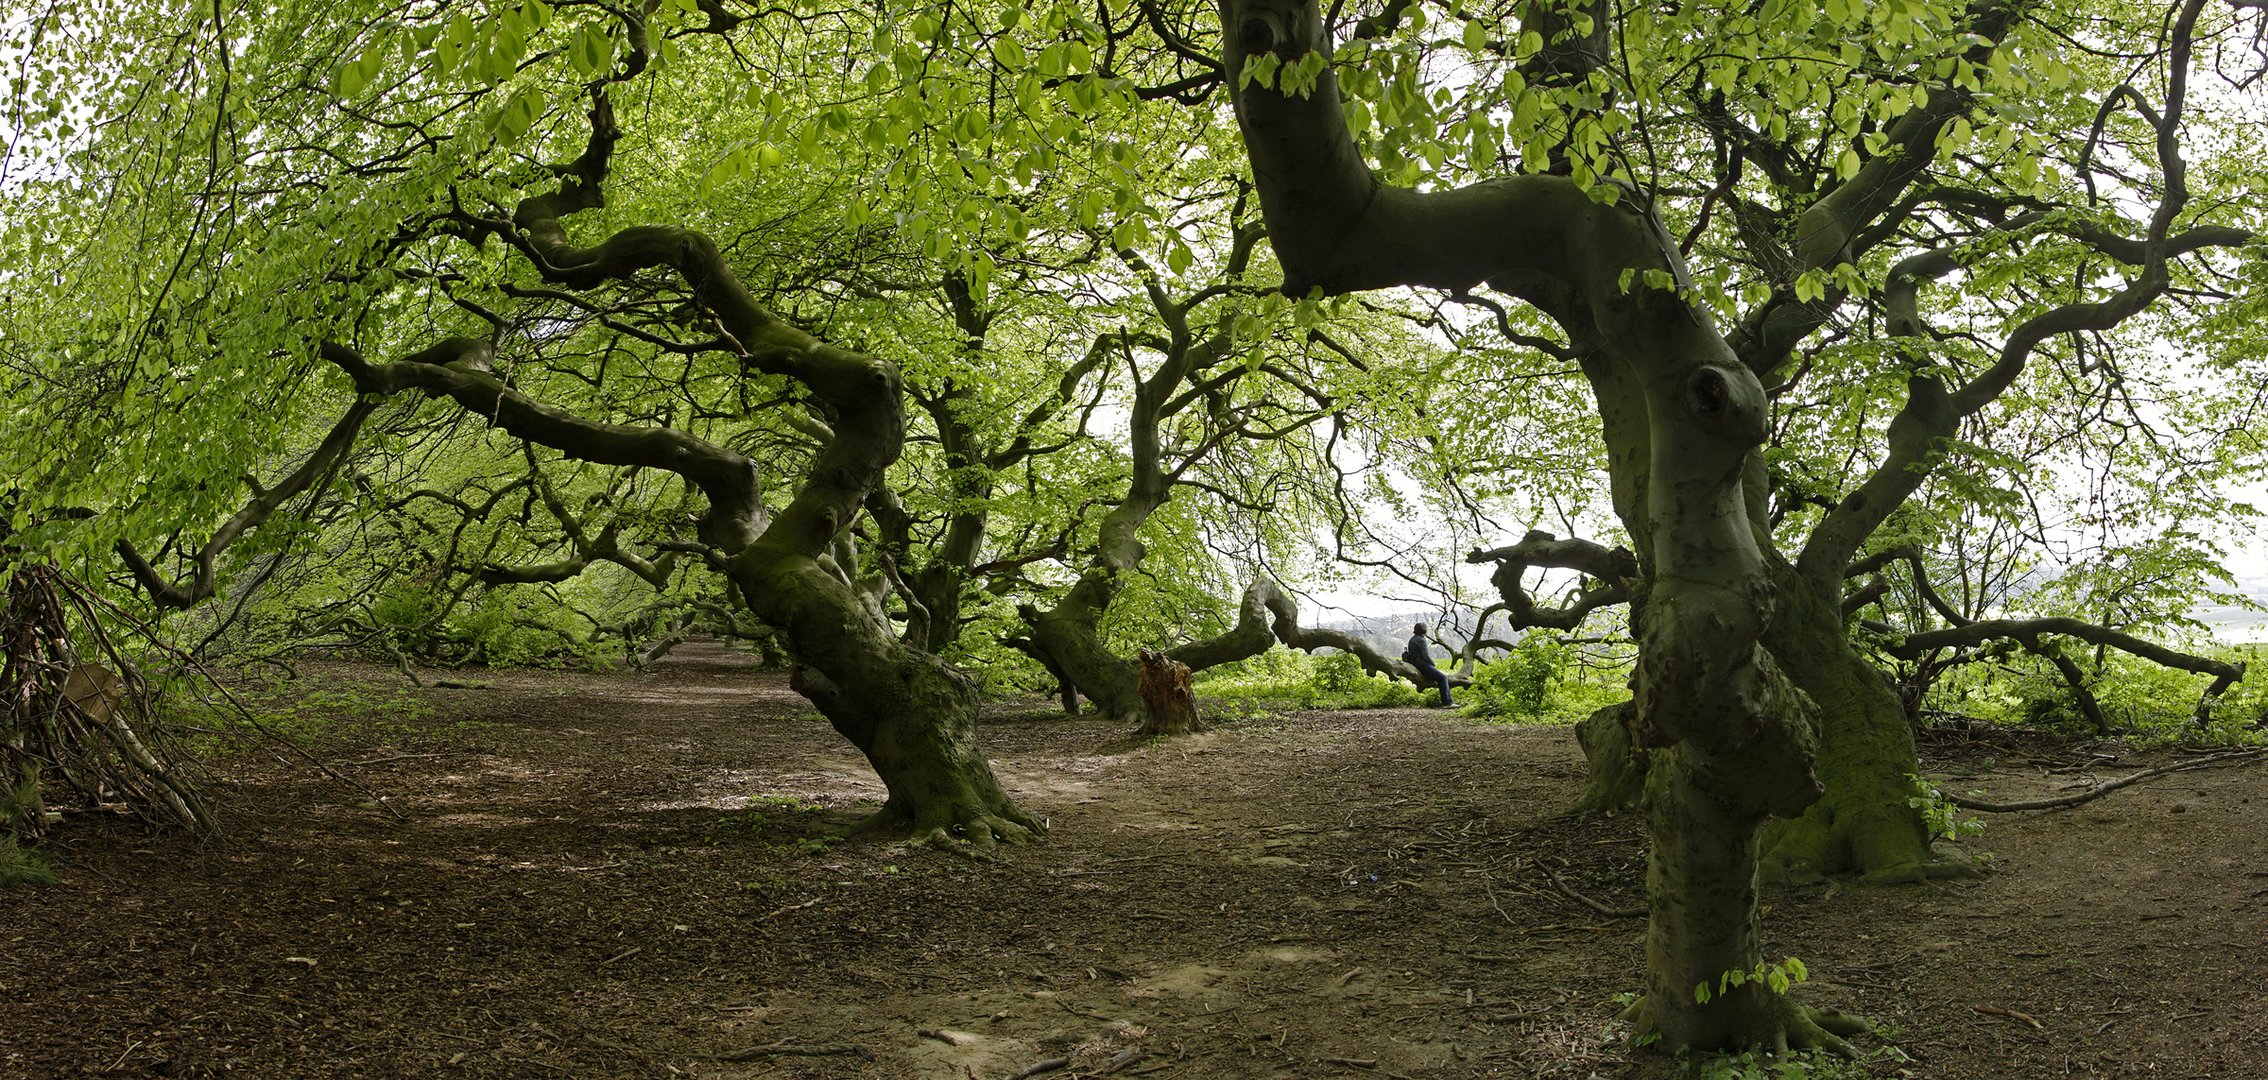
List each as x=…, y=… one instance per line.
x=1543, y=680
x=2145, y=703
x=20, y=865
x=310, y=709
x=1284, y=678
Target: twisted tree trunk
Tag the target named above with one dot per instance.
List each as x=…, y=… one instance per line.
x=1731, y=734
x=912, y=716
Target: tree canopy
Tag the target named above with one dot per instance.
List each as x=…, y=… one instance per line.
x=945, y=345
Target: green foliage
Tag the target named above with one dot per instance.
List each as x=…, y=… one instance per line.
x=1945, y=820
x=1776, y=977
x=1287, y=678
x=2140, y=698
x=309, y=709
x=500, y=628
x=1517, y=685
x=1542, y=680
x=22, y=866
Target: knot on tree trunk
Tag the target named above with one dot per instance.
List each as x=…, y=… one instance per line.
x=1169, y=704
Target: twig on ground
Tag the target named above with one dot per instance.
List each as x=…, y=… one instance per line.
x=1121, y=1060
x=1995, y=1010
x=1035, y=1068
x=1609, y=912
x=754, y=1053
x=1077, y=1011
x=2232, y=757
x=775, y=912
x=1490, y=889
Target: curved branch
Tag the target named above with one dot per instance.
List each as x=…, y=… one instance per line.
x=2224, y=674
x=459, y=369
x=263, y=506
x=1610, y=570
x=1268, y=615
x=2233, y=757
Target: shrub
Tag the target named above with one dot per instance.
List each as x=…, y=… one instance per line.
x=1287, y=678
x=22, y=866
x=1542, y=680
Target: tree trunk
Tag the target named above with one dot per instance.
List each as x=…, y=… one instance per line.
x=911, y=715
x=1863, y=823
x=1616, y=780
x=1682, y=420
x=1702, y=929
x=1067, y=642
x=1170, y=706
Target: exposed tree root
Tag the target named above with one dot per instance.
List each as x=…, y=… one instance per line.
x=1594, y=905
x=1914, y=873
x=1819, y=1028
x=1779, y=1027
x=2233, y=757
x=958, y=826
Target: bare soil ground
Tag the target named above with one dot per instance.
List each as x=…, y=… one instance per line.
x=630, y=876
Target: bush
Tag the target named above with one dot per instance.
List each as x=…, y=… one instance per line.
x=1541, y=680
x=1287, y=678
x=22, y=866
x=2138, y=697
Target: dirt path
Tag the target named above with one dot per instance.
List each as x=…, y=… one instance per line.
x=628, y=876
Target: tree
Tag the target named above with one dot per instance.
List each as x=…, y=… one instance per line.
x=1846, y=171
x=393, y=225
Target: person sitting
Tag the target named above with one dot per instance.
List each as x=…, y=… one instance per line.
x=1419, y=654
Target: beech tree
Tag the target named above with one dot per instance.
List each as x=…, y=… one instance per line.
x=396, y=215
x=1791, y=265
x=1818, y=155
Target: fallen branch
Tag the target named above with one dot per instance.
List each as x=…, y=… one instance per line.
x=1035, y=1068
x=2231, y=757
x=1609, y=912
x=1121, y=1060
x=1995, y=1010
x=754, y=1053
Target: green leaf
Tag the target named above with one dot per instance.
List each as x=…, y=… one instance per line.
x=353, y=76
x=1847, y=166
x=592, y=51
x=520, y=114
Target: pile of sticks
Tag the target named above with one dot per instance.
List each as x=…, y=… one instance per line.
x=76, y=730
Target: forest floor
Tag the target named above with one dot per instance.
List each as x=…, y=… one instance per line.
x=632, y=875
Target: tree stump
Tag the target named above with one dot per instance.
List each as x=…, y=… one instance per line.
x=1169, y=705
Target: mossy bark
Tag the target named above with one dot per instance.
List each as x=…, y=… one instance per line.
x=1701, y=887
x=1616, y=779
x=913, y=716
x=1864, y=822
